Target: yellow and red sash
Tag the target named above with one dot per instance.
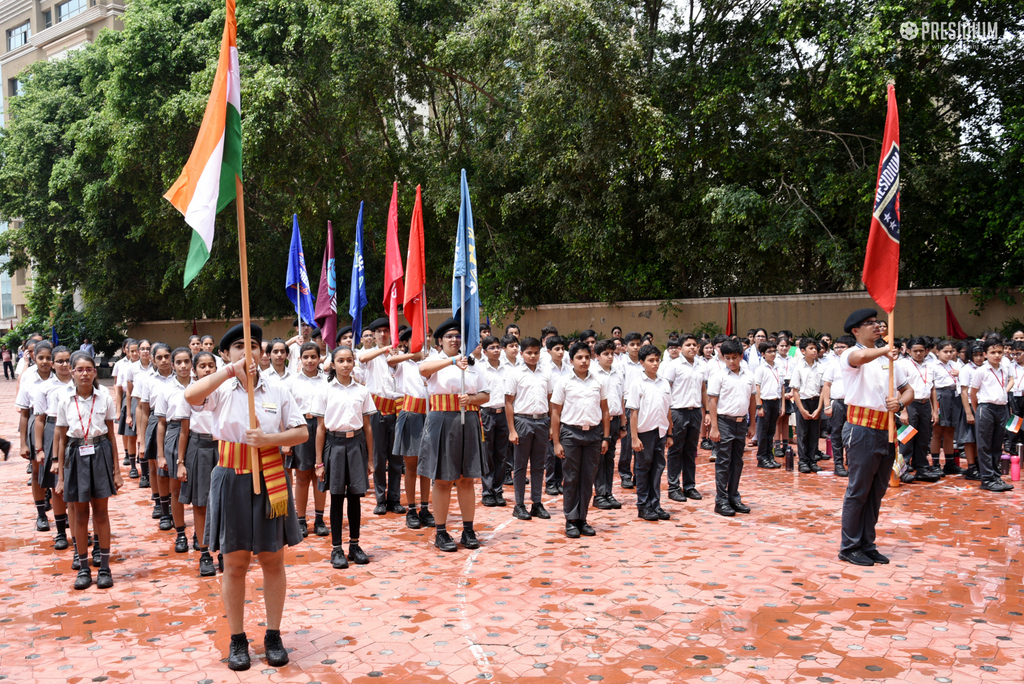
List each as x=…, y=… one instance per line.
x=869, y=418
x=236, y=456
x=447, y=402
x=414, y=404
x=386, y=407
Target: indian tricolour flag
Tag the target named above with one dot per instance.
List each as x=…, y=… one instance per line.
x=906, y=433
x=207, y=183
x=1014, y=424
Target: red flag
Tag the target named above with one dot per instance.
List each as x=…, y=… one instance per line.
x=728, y=319
x=882, y=258
x=953, y=329
x=195, y=331
x=326, y=313
x=415, y=302
x=392, y=267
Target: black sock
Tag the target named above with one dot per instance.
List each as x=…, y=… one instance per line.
x=96, y=539
x=204, y=551
x=441, y=528
x=104, y=559
x=62, y=524
x=41, y=508
x=302, y=522
x=319, y=519
x=354, y=516
x=131, y=460
x=337, y=512
x=467, y=525
x=165, y=506
x=144, y=465
x=155, y=496
x=423, y=506
x=180, y=530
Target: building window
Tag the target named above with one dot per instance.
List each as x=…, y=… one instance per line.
x=47, y=19
x=19, y=277
x=70, y=8
x=19, y=35
x=15, y=87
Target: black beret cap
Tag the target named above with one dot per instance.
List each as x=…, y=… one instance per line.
x=405, y=335
x=378, y=323
x=344, y=331
x=238, y=332
x=857, y=317
x=447, y=326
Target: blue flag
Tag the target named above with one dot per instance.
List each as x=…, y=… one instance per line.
x=297, y=283
x=56, y=340
x=357, y=290
x=465, y=289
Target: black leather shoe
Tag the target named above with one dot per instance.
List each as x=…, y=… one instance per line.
x=676, y=495
x=144, y=482
x=181, y=544
x=571, y=531
x=739, y=507
x=662, y=513
x=551, y=490
x=426, y=517
x=763, y=464
x=444, y=542
x=537, y=510
x=603, y=503
x=725, y=509
x=876, y=557
x=841, y=470
x=84, y=579
x=469, y=540
x=773, y=464
x=238, y=655
x=274, y=649
x=614, y=502
x=856, y=557
x=815, y=468
x=76, y=563
x=96, y=556
x=508, y=480
x=206, y=567
x=805, y=469
x=586, y=530
x=647, y=514
x=499, y=500
x=972, y=473
x=60, y=542
x=380, y=509
x=338, y=560
x=412, y=520
x=42, y=524
x=488, y=500
x=303, y=529
x=520, y=513
x=925, y=475
x=396, y=507
x=356, y=555
x=158, y=512
x=706, y=444
x=693, y=494
x=996, y=486
x=320, y=529
x=133, y=473
x=627, y=482
x=166, y=523
x=952, y=468
x=104, y=580
x=559, y=486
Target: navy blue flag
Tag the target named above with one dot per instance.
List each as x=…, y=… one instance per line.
x=357, y=300
x=297, y=283
x=465, y=289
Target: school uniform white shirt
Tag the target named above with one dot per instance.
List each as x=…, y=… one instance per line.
x=964, y=379
x=1017, y=373
x=867, y=385
x=276, y=410
x=146, y=385
x=808, y=380
x=27, y=388
x=650, y=398
x=531, y=389
x=79, y=414
x=687, y=382
x=518, y=362
x=580, y=399
x=378, y=377
x=1005, y=362
x=305, y=389
x=942, y=374
x=631, y=372
x=198, y=420
x=733, y=391
x=613, y=387
x=448, y=380
x=136, y=371
x=22, y=366
x=47, y=395
x=343, y=406
x=717, y=365
x=408, y=380
x=495, y=377
x=273, y=375
x=920, y=376
x=769, y=378
x=991, y=384
x=163, y=395
x=172, y=406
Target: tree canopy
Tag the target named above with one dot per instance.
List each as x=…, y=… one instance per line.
x=615, y=150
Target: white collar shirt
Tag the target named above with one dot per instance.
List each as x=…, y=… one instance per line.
x=343, y=406
x=79, y=414
x=833, y=375
x=770, y=380
x=305, y=389
x=531, y=389
x=164, y=396
x=808, y=380
x=272, y=374
x=408, y=380
x=920, y=376
x=613, y=387
x=580, y=399
x=867, y=385
x=687, y=381
x=448, y=380
x=942, y=374
x=146, y=386
x=27, y=388
x=651, y=399
x=733, y=391
x=991, y=384
x=276, y=410
x=964, y=379
x=379, y=379
x=495, y=377
x=1017, y=373
x=48, y=395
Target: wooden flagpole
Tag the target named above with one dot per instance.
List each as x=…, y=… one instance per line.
x=894, y=481
x=243, y=267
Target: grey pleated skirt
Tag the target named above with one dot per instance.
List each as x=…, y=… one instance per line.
x=47, y=480
x=150, y=441
x=200, y=460
x=123, y=428
x=964, y=433
x=450, y=450
x=345, y=465
x=303, y=456
x=171, y=434
x=236, y=519
x=948, y=405
x=88, y=477
x=408, y=434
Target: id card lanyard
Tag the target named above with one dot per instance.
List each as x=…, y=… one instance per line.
x=86, y=449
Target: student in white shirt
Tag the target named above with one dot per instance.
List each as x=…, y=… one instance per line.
x=145, y=384
x=730, y=403
x=409, y=428
x=344, y=438
x=989, y=385
x=806, y=394
x=557, y=368
x=510, y=351
x=169, y=412
x=769, y=389
x=494, y=423
x=278, y=352
x=306, y=382
x=833, y=398
x=689, y=400
x=126, y=421
x=87, y=472
x=632, y=369
x=527, y=390
x=965, y=434
x=25, y=402
x=945, y=374
x=784, y=364
x=604, y=368
x=48, y=396
x=579, y=430
x=922, y=413
x=649, y=397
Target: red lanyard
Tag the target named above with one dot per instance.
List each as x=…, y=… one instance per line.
x=924, y=376
x=776, y=377
x=1002, y=382
x=91, y=412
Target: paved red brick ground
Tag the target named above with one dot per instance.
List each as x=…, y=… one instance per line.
x=757, y=598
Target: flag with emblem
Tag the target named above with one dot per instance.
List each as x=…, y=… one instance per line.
x=327, y=296
x=906, y=433
x=297, y=280
x=882, y=259
x=1013, y=425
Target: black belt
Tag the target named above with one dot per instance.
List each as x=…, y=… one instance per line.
x=688, y=408
x=737, y=419
x=533, y=416
x=922, y=401
x=51, y=419
x=345, y=435
x=492, y=411
x=78, y=441
x=201, y=435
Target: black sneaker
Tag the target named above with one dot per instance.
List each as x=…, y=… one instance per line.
x=356, y=555
x=488, y=500
x=520, y=513
x=972, y=473
x=805, y=469
x=856, y=557
x=104, y=580
x=469, y=540
x=206, y=566
x=537, y=510
x=603, y=503
x=320, y=529
x=706, y=444
x=648, y=514
x=181, y=544
x=499, y=499
x=426, y=517
x=586, y=530
x=84, y=579
x=571, y=531
x=952, y=468
x=338, y=560
x=380, y=509
x=444, y=542
x=412, y=520
x=144, y=482
x=238, y=656
x=662, y=513
x=551, y=490
x=614, y=502
x=274, y=649
x=693, y=494
x=396, y=507
x=676, y=495
x=876, y=557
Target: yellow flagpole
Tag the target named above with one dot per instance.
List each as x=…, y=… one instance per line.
x=243, y=268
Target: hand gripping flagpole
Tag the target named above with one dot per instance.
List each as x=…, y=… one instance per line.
x=243, y=267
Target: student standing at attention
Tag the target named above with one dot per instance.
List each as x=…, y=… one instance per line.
x=806, y=388
x=989, y=386
x=649, y=398
x=730, y=402
x=689, y=399
x=527, y=391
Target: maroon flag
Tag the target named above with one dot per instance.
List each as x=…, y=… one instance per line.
x=882, y=258
x=728, y=318
x=326, y=313
x=953, y=329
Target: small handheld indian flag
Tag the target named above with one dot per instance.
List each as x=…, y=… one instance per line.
x=906, y=433
x=1013, y=425
x=207, y=183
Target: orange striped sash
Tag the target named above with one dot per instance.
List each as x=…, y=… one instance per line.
x=414, y=404
x=386, y=407
x=447, y=402
x=236, y=456
x=865, y=417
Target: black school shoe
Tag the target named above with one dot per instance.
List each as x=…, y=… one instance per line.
x=876, y=557
x=104, y=580
x=158, y=512
x=647, y=514
x=662, y=513
x=84, y=579
x=677, y=495
x=444, y=542
x=412, y=520
x=60, y=542
x=206, y=566
x=144, y=482
x=356, y=555
x=338, y=560
x=426, y=517
x=586, y=530
x=133, y=473
x=274, y=649
x=693, y=494
x=181, y=544
x=320, y=529
x=537, y=510
x=499, y=499
x=706, y=444
x=627, y=482
x=856, y=557
x=520, y=513
x=469, y=540
x=380, y=509
x=603, y=503
x=238, y=655
x=739, y=507
x=396, y=507
x=551, y=490
x=972, y=473
x=952, y=468
x=571, y=531
x=488, y=500
x=166, y=523
x=42, y=524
